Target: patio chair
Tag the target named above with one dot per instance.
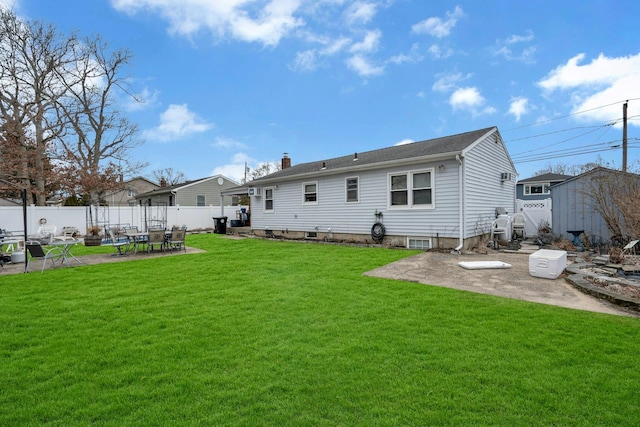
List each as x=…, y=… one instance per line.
x=118, y=244
x=517, y=226
x=176, y=239
x=500, y=226
x=156, y=238
x=36, y=251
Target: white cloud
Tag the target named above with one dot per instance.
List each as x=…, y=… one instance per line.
x=469, y=99
x=507, y=48
x=438, y=52
x=414, y=55
x=447, y=82
x=227, y=143
x=142, y=100
x=515, y=38
x=335, y=46
x=369, y=43
x=231, y=18
x=438, y=27
x=305, y=61
x=236, y=168
x=177, y=122
x=360, y=12
x=404, y=142
x=9, y=4
x=363, y=67
x=519, y=107
x=602, y=82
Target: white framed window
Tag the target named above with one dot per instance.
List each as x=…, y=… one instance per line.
x=311, y=235
x=535, y=189
x=418, y=243
x=131, y=193
x=352, y=189
x=268, y=199
x=310, y=193
x=200, y=201
x=412, y=189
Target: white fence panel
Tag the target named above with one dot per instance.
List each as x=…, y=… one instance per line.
x=535, y=212
x=194, y=217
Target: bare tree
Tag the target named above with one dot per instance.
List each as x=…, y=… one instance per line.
x=97, y=149
x=30, y=56
x=263, y=169
x=565, y=169
x=168, y=176
x=615, y=198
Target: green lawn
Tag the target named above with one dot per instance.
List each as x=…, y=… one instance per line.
x=257, y=332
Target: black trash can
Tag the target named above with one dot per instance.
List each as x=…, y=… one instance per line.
x=220, y=224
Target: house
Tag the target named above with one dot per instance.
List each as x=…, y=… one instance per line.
x=126, y=195
x=579, y=201
x=439, y=193
x=533, y=199
x=538, y=187
x=200, y=192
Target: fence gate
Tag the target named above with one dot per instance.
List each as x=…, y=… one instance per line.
x=535, y=211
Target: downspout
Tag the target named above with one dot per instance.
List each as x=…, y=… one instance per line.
x=460, y=204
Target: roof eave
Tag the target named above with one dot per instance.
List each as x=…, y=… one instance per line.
x=365, y=167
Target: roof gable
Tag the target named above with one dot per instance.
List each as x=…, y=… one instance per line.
x=183, y=185
x=448, y=145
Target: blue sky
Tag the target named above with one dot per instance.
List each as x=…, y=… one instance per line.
x=232, y=81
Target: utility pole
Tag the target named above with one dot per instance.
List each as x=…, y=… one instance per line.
x=624, y=136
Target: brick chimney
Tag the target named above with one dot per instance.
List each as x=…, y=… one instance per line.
x=163, y=182
x=286, y=161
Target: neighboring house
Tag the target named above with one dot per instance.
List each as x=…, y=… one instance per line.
x=575, y=208
x=126, y=195
x=533, y=199
x=538, y=187
x=10, y=202
x=440, y=193
x=200, y=192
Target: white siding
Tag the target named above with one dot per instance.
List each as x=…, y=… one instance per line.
x=484, y=191
x=333, y=212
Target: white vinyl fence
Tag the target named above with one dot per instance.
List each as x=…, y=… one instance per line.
x=193, y=217
x=535, y=212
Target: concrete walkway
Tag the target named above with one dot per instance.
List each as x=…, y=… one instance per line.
x=36, y=265
x=442, y=269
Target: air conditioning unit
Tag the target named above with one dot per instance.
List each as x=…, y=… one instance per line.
x=505, y=176
x=255, y=191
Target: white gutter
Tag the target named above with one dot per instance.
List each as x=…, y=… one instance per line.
x=460, y=203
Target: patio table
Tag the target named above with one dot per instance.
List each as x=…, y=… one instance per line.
x=65, y=246
x=137, y=239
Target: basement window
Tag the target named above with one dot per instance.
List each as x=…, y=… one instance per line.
x=310, y=235
x=423, y=243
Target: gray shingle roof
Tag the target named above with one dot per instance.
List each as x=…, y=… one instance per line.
x=432, y=147
x=546, y=177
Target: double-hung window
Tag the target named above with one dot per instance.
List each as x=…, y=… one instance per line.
x=200, y=200
x=411, y=189
x=268, y=199
x=310, y=193
x=352, y=189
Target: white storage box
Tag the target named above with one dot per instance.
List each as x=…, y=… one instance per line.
x=547, y=263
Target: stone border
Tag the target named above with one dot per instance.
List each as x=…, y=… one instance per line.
x=577, y=277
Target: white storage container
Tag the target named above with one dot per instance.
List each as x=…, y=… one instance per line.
x=548, y=264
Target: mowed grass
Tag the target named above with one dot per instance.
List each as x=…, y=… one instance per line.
x=257, y=332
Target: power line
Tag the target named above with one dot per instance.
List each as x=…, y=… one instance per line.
x=569, y=115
